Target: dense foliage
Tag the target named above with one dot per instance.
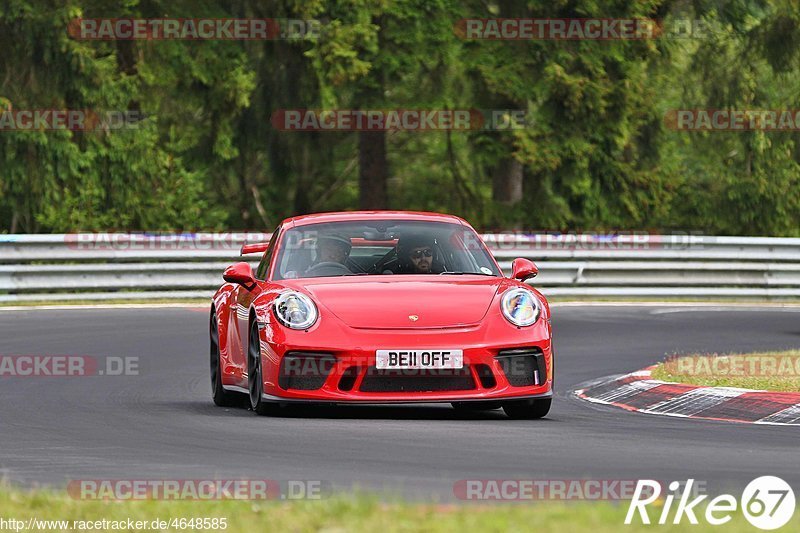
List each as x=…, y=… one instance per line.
x=595, y=154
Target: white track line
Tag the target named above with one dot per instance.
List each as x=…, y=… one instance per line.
x=102, y=306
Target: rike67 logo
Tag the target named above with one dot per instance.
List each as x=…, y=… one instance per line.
x=767, y=502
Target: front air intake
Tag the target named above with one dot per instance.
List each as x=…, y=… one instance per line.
x=486, y=376
x=305, y=370
x=348, y=378
x=523, y=367
x=429, y=380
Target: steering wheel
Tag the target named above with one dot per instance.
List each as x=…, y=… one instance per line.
x=380, y=265
x=328, y=268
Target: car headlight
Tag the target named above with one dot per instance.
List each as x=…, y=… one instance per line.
x=520, y=307
x=295, y=310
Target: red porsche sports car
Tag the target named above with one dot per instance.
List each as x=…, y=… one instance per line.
x=380, y=307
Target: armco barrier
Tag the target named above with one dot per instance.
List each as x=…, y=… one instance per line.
x=166, y=266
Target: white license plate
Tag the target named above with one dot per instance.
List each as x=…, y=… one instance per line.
x=418, y=359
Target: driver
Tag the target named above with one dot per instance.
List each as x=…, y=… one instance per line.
x=332, y=248
x=416, y=254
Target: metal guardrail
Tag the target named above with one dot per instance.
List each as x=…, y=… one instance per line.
x=142, y=266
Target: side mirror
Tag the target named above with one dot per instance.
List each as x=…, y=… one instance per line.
x=523, y=269
x=240, y=273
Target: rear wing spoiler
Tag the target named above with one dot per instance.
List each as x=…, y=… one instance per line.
x=254, y=248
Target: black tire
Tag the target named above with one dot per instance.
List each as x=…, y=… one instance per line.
x=528, y=409
x=472, y=407
x=255, y=382
x=221, y=397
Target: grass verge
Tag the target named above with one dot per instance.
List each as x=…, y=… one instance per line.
x=339, y=513
x=772, y=371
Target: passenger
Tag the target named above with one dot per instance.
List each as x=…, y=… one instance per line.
x=415, y=253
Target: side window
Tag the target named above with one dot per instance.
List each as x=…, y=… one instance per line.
x=263, y=266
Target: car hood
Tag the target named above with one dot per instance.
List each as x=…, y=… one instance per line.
x=393, y=302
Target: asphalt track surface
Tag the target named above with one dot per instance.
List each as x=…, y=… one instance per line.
x=161, y=424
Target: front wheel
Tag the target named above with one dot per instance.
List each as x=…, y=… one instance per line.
x=528, y=409
x=255, y=376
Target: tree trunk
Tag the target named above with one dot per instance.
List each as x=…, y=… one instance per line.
x=302, y=197
x=507, y=182
x=373, y=170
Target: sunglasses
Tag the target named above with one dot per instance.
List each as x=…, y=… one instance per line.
x=419, y=254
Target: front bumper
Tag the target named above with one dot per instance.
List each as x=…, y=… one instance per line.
x=297, y=371
x=406, y=400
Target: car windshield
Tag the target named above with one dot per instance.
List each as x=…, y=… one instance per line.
x=381, y=247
